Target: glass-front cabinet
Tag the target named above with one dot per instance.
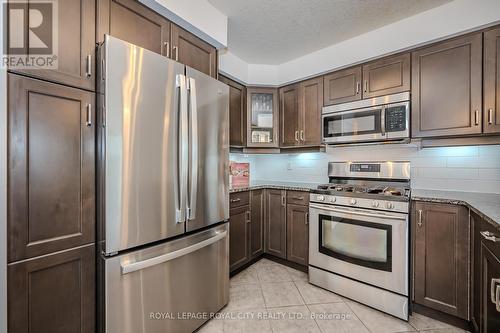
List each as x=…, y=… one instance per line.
x=262, y=113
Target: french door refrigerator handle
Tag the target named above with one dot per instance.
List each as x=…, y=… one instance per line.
x=136, y=266
x=182, y=154
x=193, y=149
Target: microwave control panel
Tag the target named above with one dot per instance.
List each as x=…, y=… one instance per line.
x=395, y=118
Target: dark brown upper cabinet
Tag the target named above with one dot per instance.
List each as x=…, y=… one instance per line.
x=239, y=220
x=257, y=218
x=342, y=86
x=53, y=293
x=300, y=113
x=441, y=257
x=491, y=81
x=51, y=192
x=134, y=23
x=193, y=52
x=446, y=88
x=76, y=46
x=297, y=229
x=386, y=76
x=237, y=112
x=289, y=116
x=275, y=234
x=262, y=117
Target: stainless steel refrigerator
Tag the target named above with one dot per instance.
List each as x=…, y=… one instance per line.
x=163, y=192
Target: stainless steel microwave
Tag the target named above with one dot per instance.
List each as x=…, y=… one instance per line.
x=385, y=118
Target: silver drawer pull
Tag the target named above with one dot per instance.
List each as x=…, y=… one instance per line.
x=497, y=299
x=495, y=292
x=235, y=200
x=489, y=236
x=298, y=198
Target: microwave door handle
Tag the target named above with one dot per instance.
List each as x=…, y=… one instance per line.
x=382, y=120
x=193, y=180
x=358, y=213
x=181, y=179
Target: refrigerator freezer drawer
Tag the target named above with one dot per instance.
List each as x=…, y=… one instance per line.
x=170, y=287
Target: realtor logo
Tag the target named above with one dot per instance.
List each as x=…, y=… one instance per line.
x=30, y=34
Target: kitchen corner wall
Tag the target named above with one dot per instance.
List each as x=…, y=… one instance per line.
x=472, y=169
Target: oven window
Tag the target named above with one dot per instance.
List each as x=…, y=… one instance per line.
x=363, y=122
x=358, y=242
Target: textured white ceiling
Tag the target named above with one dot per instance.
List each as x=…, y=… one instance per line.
x=276, y=31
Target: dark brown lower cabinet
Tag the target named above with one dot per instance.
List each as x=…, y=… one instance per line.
x=256, y=223
x=239, y=219
x=297, y=228
x=275, y=234
x=53, y=293
x=441, y=257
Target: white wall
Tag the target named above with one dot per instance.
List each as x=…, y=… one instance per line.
x=3, y=187
x=197, y=16
x=473, y=169
x=450, y=19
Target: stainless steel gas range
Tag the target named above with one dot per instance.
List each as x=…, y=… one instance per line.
x=358, y=236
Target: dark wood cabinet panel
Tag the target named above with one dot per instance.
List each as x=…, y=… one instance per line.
x=51, y=192
x=257, y=223
x=311, y=102
x=342, y=86
x=54, y=293
x=238, y=199
x=490, y=289
x=134, y=23
x=297, y=226
x=491, y=81
x=262, y=117
x=237, y=112
x=275, y=234
x=447, y=88
x=441, y=256
x=239, y=218
x=76, y=46
x=193, y=52
x=297, y=197
x=386, y=76
x=289, y=116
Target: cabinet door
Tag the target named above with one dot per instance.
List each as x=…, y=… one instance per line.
x=54, y=293
x=134, y=23
x=289, y=116
x=386, y=76
x=239, y=218
x=446, y=88
x=342, y=86
x=237, y=112
x=490, y=290
x=297, y=228
x=441, y=257
x=311, y=102
x=76, y=45
x=275, y=233
x=193, y=52
x=51, y=168
x=257, y=223
x=491, y=77
x=262, y=117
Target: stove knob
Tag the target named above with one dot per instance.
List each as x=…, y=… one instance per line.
x=389, y=205
x=352, y=202
x=320, y=198
x=334, y=199
x=375, y=204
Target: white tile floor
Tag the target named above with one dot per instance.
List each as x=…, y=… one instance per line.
x=270, y=297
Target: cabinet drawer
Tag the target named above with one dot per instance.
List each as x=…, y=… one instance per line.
x=239, y=199
x=297, y=197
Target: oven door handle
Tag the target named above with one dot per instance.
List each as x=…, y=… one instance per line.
x=357, y=212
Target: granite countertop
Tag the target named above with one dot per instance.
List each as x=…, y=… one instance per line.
x=255, y=185
x=486, y=205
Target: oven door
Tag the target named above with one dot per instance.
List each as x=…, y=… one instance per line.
x=362, y=125
x=364, y=245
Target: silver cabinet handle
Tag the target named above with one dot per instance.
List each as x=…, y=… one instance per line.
x=89, y=115
x=476, y=117
x=307, y=218
x=247, y=216
x=298, y=198
x=419, y=218
x=235, y=200
x=497, y=299
x=136, y=266
x=297, y=136
x=166, y=45
x=176, y=49
x=283, y=202
x=182, y=150
x=193, y=118
x=89, y=65
x=358, y=87
x=301, y=135
x=366, y=85
x=489, y=236
x=494, y=287
x=490, y=116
